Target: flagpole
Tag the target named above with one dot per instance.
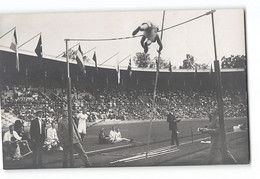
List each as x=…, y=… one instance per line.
x=109, y=59
x=69, y=107
x=7, y=32
x=29, y=40
x=154, y=92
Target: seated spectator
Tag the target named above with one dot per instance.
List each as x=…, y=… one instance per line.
x=112, y=135
x=19, y=126
x=119, y=138
x=102, y=137
x=10, y=144
x=52, y=141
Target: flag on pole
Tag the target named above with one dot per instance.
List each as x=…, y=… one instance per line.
x=14, y=47
x=118, y=71
x=38, y=49
x=79, y=58
x=129, y=69
x=95, y=60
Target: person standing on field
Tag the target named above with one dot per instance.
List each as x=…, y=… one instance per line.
x=171, y=119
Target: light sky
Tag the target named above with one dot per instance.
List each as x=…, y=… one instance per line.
x=193, y=38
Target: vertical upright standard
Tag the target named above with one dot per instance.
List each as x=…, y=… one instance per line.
x=219, y=97
x=69, y=107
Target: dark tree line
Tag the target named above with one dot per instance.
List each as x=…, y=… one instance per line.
x=238, y=61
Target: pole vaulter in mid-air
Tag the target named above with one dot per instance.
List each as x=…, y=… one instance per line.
x=149, y=36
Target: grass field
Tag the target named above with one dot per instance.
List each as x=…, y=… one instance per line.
x=190, y=152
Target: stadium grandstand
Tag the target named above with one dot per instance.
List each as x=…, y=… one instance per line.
x=42, y=83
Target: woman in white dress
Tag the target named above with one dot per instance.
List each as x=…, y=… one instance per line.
x=119, y=138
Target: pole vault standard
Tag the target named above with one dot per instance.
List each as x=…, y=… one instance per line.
x=219, y=97
x=154, y=92
x=156, y=78
x=69, y=107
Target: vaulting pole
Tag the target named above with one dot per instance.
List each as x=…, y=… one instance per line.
x=219, y=97
x=154, y=92
x=69, y=107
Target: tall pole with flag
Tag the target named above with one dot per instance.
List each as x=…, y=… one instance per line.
x=14, y=47
x=80, y=62
x=170, y=69
x=94, y=58
x=38, y=49
x=118, y=70
x=128, y=74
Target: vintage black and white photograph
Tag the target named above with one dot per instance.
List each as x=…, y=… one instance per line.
x=124, y=89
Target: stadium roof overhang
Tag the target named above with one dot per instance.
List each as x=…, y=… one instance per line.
x=63, y=60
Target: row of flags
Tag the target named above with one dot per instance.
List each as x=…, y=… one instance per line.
x=79, y=58
x=80, y=61
x=14, y=47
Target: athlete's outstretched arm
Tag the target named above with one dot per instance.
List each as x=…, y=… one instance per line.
x=136, y=31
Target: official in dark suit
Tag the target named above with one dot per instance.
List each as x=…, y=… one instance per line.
x=37, y=133
x=171, y=119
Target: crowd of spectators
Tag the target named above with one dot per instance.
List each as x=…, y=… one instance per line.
x=124, y=105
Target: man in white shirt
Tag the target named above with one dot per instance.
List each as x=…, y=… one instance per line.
x=82, y=126
x=10, y=143
x=52, y=140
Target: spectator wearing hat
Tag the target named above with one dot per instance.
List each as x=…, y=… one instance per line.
x=103, y=138
x=37, y=133
x=171, y=119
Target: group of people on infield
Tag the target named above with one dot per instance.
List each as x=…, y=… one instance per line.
x=113, y=137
